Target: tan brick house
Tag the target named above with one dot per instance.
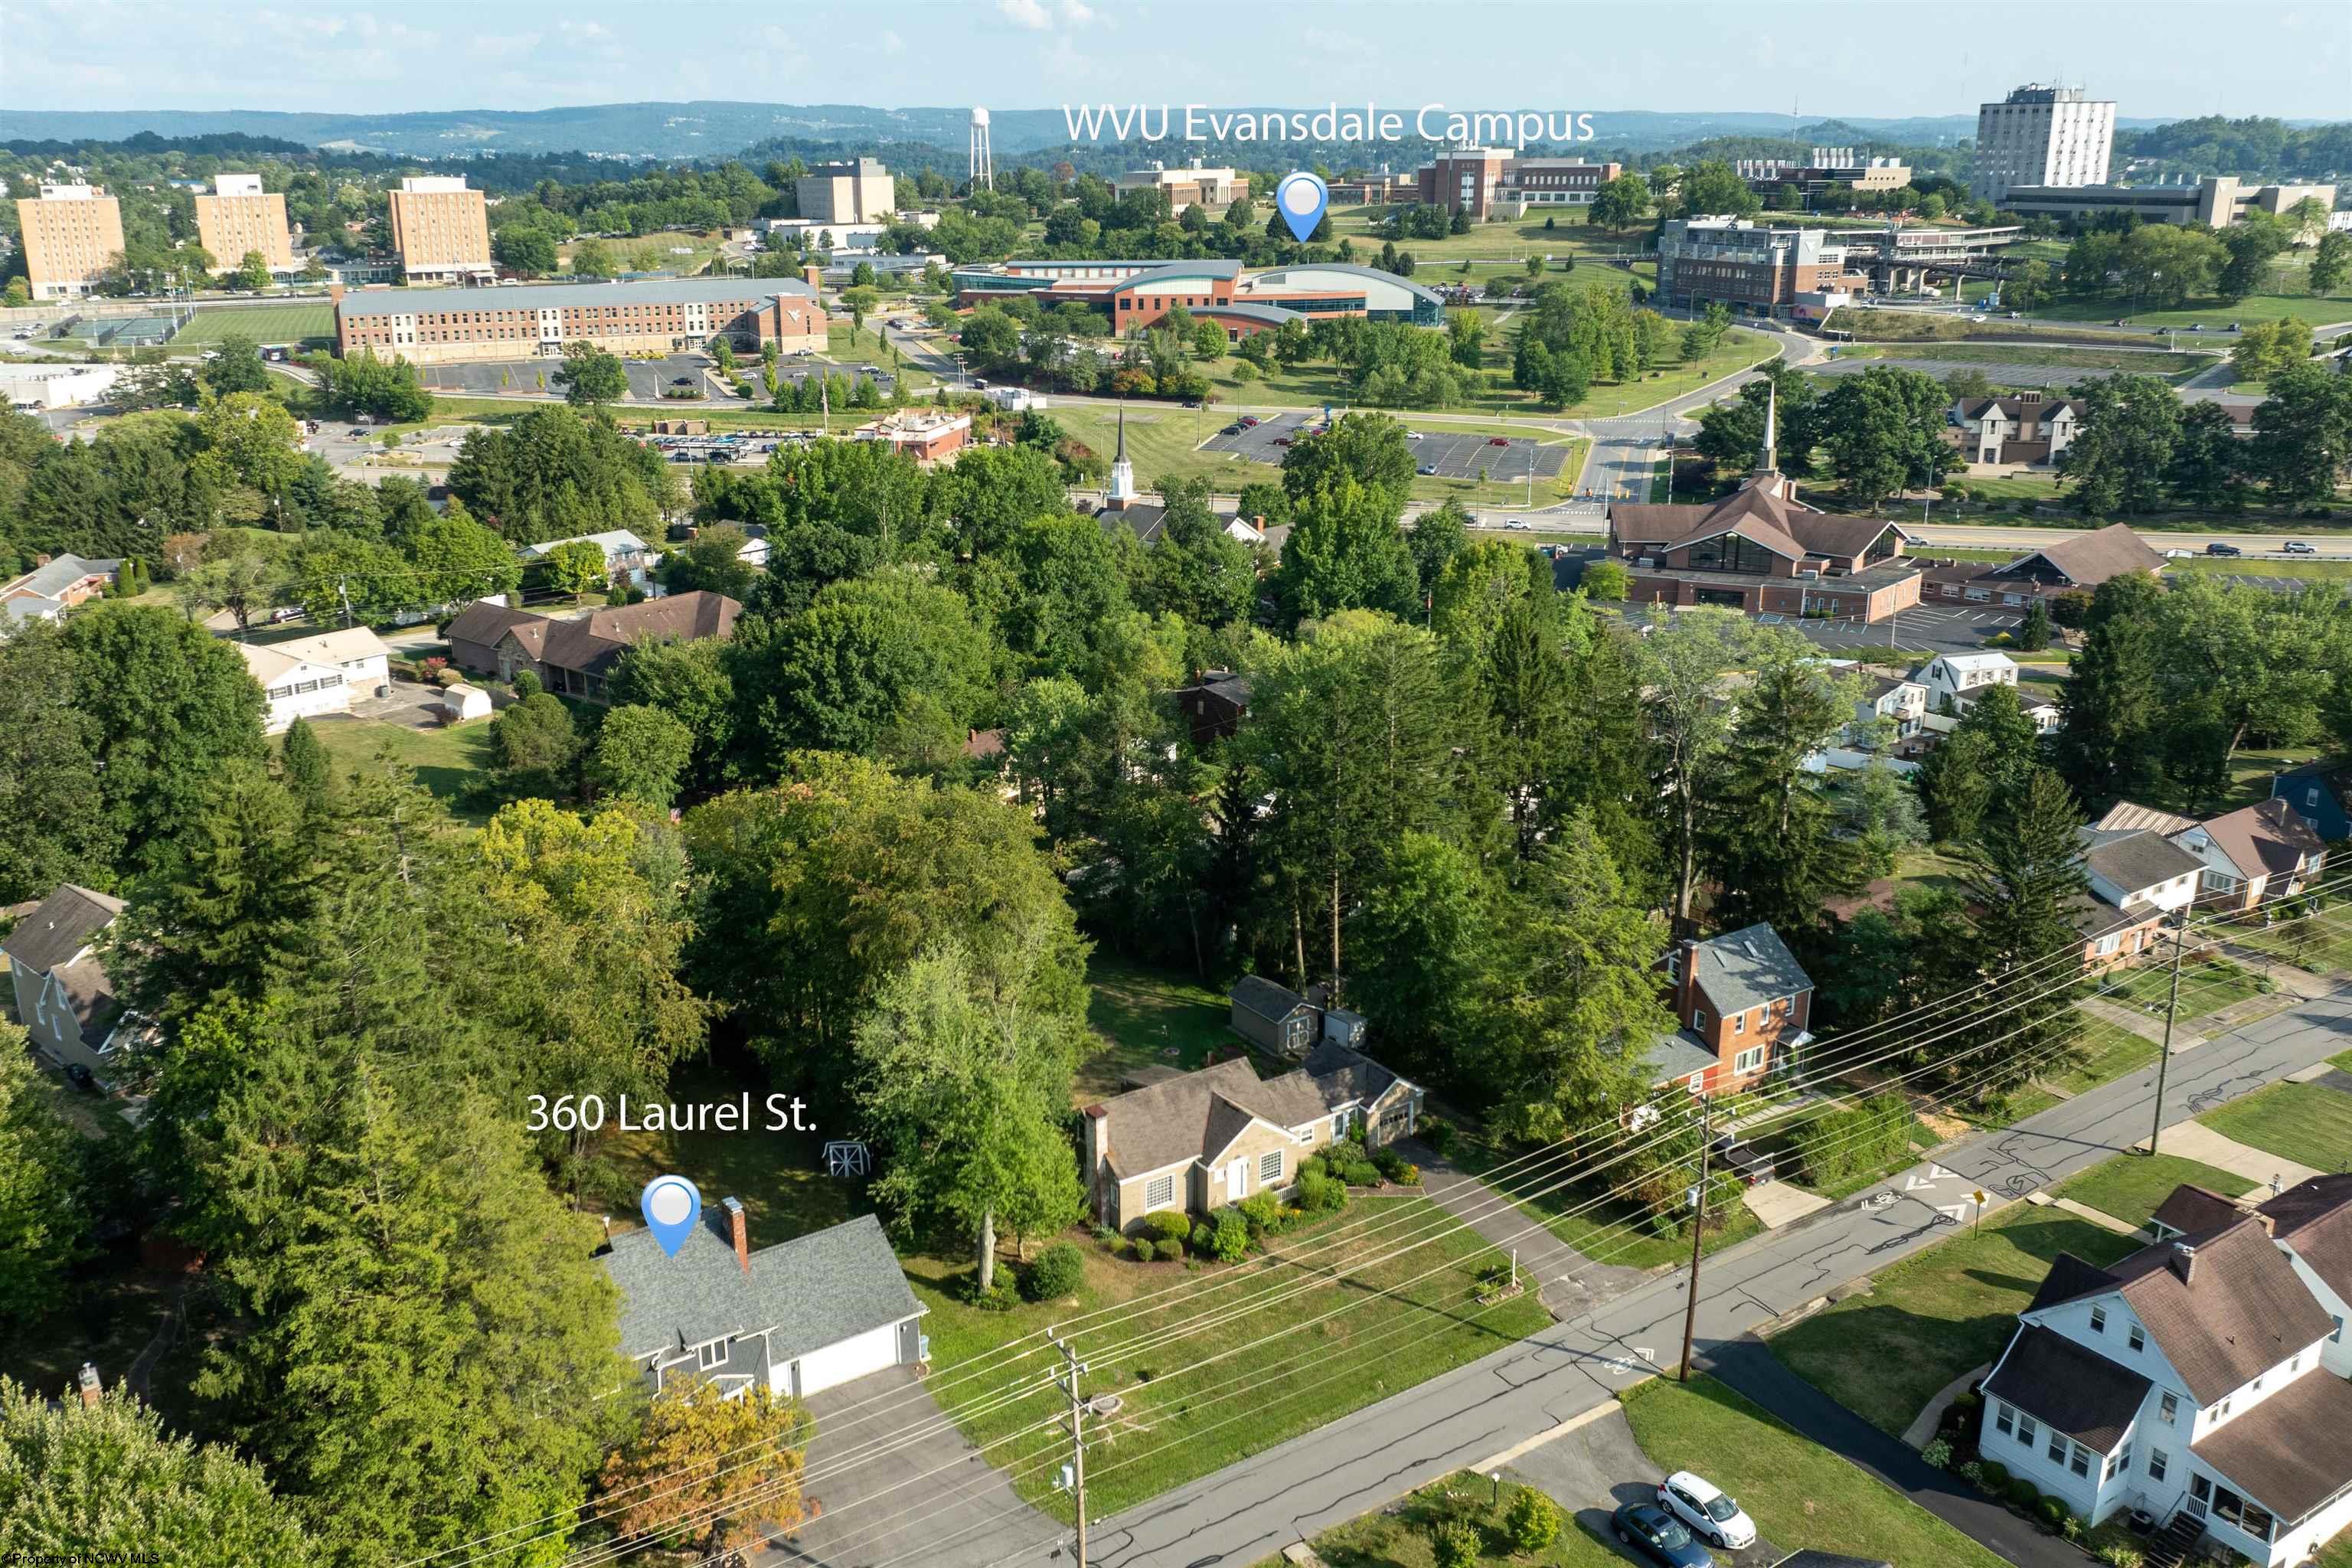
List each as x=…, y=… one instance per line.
x=1211, y=1138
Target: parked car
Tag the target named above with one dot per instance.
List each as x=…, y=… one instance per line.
x=1249, y=421
x=2297, y=547
x=1231, y=430
x=2217, y=548
x=1498, y=440
x=283, y=613
x=1284, y=441
x=1412, y=434
x=83, y=1078
x=2017, y=315
x=1707, y=1510
x=356, y=433
x=1426, y=470
x=1656, y=1536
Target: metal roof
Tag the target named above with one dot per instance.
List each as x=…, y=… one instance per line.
x=572, y=296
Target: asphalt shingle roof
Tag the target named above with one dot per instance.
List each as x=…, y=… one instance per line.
x=1197, y=1116
x=812, y=1291
x=2271, y=837
x=2069, y=1386
x=59, y=927
x=2292, y=1451
x=2133, y=861
x=1748, y=968
x=2315, y=1217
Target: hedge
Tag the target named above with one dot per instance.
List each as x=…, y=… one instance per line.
x=1862, y=1137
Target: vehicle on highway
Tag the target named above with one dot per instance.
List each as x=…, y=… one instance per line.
x=2298, y=547
x=284, y=613
x=356, y=433
x=2017, y=315
x=2217, y=548
x=1426, y=470
x=1498, y=440
x=2196, y=326
x=1656, y=1536
x=2235, y=328
x=1707, y=1510
x=1516, y=526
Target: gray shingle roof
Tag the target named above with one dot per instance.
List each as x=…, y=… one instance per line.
x=1197, y=1116
x=810, y=1292
x=2068, y=1386
x=2191, y=1207
x=2135, y=860
x=60, y=926
x=1678, y=1055
x=1748, y=968
x=2315, y=1217
x=62, y=573
x=571, y=295
x=2292, y=1451
x=1266, y=999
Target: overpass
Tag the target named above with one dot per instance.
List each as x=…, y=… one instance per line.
x=1902, y=257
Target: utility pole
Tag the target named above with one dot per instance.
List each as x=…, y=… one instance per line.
x=1698, y=1228
x=2171, y=1010
x=1073, y=1369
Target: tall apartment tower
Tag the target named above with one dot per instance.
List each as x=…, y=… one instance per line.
x=238, y=217
x=857, y=190
x=441, y=229
x=2042, y=136
x=979, y=171
x=72, y=234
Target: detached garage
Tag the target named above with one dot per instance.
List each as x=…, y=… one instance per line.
x=800, y=1317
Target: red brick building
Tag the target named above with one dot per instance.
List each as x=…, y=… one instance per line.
x=457, y=325
x=1744, y=1002
x=1495, y=182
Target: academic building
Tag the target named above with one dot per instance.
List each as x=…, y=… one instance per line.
x=2217, y=200
x=441, y=229
x=1495, y=182
x=859, y=190
x=1195, y=186
x=236, y=217
x=650, y=318
x=2042, y=136
x=1753, y=267
x=1138, y=293
x=72, y=234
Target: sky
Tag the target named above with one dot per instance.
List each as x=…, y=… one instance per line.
x=2157, y=59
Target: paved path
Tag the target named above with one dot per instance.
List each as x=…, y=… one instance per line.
x=1505, y=1402
x=1922, y=1430
x=1569, y=1284
x=2099, y=1217
x=1782, y=1203
x=2195, y=1141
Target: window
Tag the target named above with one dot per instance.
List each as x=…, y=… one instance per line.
x=2156, y=1464
x=2338, y=1337
x=2098, y=1319
x=2081, y=1463
x=2004, y=1419
x=1159, y=1192
x=2137, y=1337
x=710, y=1355
x=1739, y=1025
x=2057, y=1449
x=1698, y=1019
x=1749, y=1060
x=2167, y=1409
x=1269, y=1166
x=2118, y=1464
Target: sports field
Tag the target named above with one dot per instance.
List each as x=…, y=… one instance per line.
x=312, y=320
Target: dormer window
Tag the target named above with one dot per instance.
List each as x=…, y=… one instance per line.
x=713, y=1354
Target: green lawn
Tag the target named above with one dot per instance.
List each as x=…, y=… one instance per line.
x=2336, y=1553
x=2157, y=363
x=2108, y=1051
x=454, y=764
x=2321, y=943
x=2207, y=985
x=1399, y=1536
x=1606, y=1229
x=1147, y=1018
x=2192, y=563
x=2307, y=1122
x=311, y=320
x=1799, y=1494
x=1737, y=352
x=1885, y=1351
x=2133, y=1186
x=780, y=1176
x=1397, y=1330
x=2319, y=311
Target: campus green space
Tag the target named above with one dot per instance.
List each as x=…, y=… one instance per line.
x=2309, y=1123
x=1362, y=1325
x=312, y=323
x=2149, y=361
x=2319, y=311
x=1144, y=1017
x=1914, y=1327
x=2131, y=1187
x=452, y=763
x=1798, y=1493
x=1399, y=1536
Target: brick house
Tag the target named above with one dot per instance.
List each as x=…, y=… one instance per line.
x=2137, y=878
x=1744, y=1002
x=577, y=656
x=1209, y=1139
x=1214, y=705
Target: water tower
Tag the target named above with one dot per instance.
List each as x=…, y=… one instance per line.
x=982, y=170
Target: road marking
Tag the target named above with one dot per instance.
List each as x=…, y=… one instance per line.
x=1937, y=1172
x=1915, y=1183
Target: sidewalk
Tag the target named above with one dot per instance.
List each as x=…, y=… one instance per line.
x=1568, y=1282
x=2195, y=1141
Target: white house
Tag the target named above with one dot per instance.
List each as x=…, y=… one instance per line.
x=2192, y=1381
x=1902, y=704
x=798, y=1317
x=2139, y=870
x=1956, y=677
x=315, y=675
x=64, y=998
x=624, y=553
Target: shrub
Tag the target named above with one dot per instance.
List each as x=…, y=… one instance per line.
x=1144, y=1251
x=1937, y=1454
x=1409, y=1176
x=1843, y=1144
x=526, y=684
x=2053, y=1512
x=449, y=678
x=1313, y=1165
x=1231, y=1239
x=1436, y=1132
x=1320, y=1193
x=2024, y=1494
x=1106, y=1236
x=1532, y=1521
x=1966, y=1404
x=1454, y=1544
x=2071, y=1526
x=1169, y=1224
x=1343, y=1154
x=1205, y=1238
x=997, y=1298
x=1362, y=1174
x=1389, y=1163
x=1972, y=1472
x=1993, y=1475
x=1056, y=1272
x=2121, y=1555
x=1261, y=1212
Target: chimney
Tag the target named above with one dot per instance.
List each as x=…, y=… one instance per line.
x=812, y=276
x=92, y=1390
x=742, y=1235
x=2184, y=1262
x=1098, y=1151
x=1685, y=978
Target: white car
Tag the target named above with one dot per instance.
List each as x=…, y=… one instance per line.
x=1712, y=1514
x=1412, y=434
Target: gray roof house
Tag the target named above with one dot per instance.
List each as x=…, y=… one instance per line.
x=64, y=998
x=2190, y=1382
x=798, y=1317
x=54, y=586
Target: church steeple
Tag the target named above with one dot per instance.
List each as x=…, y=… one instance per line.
x=1122, y=493
x=1767, y=460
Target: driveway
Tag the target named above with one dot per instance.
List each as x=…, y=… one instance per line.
x=910, y=1503
x=1598, y=1468
x=1569, y=1282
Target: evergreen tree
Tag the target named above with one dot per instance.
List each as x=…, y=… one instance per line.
x=2025, y=886
x=1771, y=843
x=54, y=825
x=302, y=765
x=2109, y=742
x=44, y=1223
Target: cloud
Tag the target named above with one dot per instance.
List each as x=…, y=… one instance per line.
x=892, y=44
x=1075, y=12
x=1026, y=14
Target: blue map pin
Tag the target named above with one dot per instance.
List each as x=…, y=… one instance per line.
x=1302, y=196
x=671, y=1205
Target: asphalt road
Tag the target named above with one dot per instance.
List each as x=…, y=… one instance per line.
x=1476, y=1413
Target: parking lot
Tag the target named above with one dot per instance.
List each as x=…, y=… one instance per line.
x=648, y=379
x=1437, y=454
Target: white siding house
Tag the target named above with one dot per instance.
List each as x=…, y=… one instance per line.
x=1957, y=677
x=318, y=675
